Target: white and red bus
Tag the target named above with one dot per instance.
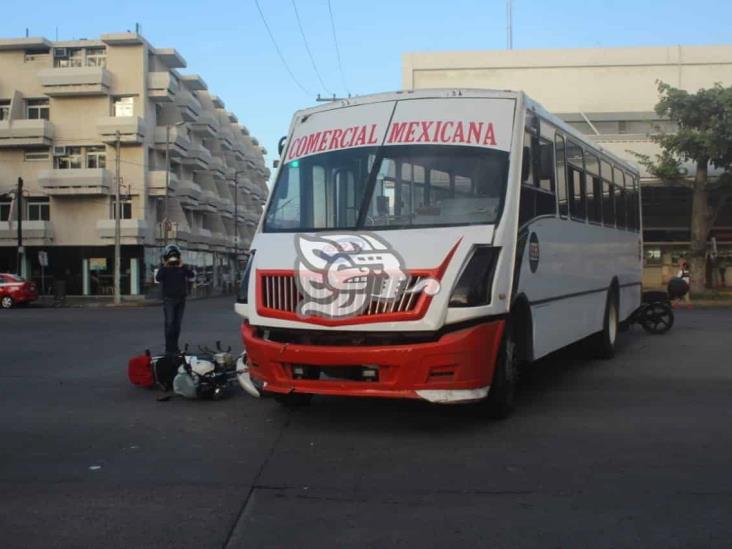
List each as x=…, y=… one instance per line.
x=423, y=244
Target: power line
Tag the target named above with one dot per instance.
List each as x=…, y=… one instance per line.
x=279, y=51
x=307, y=46
x=337, y=49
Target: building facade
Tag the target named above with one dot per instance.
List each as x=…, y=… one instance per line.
x=608, y=94
x=79, y=118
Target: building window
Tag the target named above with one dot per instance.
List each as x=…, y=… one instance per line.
x=38, y=209
x=5, y=206
x=124, y=106
x=96, y=57
x=96, y=157
x=32, y=156
x=79, y=57
x=4, y=109
x=653, y=256
x=37, y=109
x=125, y=209
x=70, y=160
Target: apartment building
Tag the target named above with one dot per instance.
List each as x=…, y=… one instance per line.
x=608, y=94
x=73, y=114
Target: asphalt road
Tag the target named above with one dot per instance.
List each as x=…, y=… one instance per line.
x=635, y=451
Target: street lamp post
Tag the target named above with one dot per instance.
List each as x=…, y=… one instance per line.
x=117, y=228
x=236, y=223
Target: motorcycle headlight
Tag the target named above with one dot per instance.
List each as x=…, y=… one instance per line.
x=476, y=281
x=243, y=295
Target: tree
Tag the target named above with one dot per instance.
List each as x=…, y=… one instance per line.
x=703, y=137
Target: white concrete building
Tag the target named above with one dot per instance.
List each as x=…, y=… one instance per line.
x=183, y=156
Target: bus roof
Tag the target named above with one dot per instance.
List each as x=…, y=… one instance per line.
x=436, y=93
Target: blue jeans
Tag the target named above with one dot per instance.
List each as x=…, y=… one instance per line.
x=173, y=308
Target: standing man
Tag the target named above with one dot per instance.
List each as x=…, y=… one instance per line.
x=173, y=277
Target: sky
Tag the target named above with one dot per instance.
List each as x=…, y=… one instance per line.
x=226, y=42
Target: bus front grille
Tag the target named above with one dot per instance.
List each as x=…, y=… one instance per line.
x=279, y=292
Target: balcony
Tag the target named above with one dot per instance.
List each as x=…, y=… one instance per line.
x=26, y=133
x=130, y=229
x=198, y=157
x=131, y=129
x=188, y=192
x=207, y=125
x=156, y=183
x=217, y=165
x=161, y=86
x=81, y=181
x=189, y=106
x=202, y=236
x=179, y=142
x=35, y=233
x=69, y=81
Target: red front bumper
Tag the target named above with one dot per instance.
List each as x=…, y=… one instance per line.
x=459, y=360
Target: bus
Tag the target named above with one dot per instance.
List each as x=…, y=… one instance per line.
x=425, y=244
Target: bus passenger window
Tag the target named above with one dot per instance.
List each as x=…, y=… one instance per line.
x=608, y=204
x=620, y=199
x=593, y=190
x=537, y=186
x=575, y=179
x=561, y=170
x=526, y=161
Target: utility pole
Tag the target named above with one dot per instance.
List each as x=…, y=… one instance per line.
x=236, y=228
x=509, y=23
x=167, y=184
x=117, y=229
x=19, y=204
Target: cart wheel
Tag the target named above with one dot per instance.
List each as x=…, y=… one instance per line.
x=657, y=318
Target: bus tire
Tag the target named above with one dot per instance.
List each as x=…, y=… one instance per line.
x=293, y=400
x=500, y=400
x=603, y=342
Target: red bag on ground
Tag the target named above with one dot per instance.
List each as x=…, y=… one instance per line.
x=139, y=370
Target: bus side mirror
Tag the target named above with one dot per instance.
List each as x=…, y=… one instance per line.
x=281, y=145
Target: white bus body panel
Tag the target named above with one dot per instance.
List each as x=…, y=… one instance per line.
x=568, y=290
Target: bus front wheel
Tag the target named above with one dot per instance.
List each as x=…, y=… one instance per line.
x=500, y=400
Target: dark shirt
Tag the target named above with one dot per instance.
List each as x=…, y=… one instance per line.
x=174, y=280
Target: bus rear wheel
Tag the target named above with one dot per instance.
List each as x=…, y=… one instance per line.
x=500, y=400
x=603, y=342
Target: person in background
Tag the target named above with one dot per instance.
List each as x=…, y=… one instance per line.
x=173, y=277
x=685, y=275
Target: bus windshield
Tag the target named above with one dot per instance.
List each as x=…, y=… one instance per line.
x=393, y=187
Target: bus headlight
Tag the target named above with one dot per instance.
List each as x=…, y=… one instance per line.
x=474, y=285
x=243, y=294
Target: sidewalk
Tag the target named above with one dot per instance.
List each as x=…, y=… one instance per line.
x=720, y=298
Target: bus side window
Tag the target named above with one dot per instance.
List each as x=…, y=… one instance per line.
x=575, y=180
x=546, y=201
x=620, y=201
x=537, y=179
x=636, y=204
x=561, y=175
x=593, y=188
x=631, y=193
x=527, y=200
x=608, y=204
